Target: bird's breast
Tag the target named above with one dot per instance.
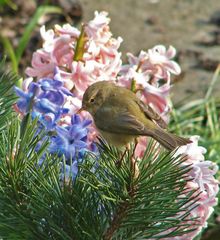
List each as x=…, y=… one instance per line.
x=118, y=140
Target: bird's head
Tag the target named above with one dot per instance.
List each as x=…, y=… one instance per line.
x=95, y=95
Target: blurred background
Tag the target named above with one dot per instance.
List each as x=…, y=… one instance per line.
x=191, y=26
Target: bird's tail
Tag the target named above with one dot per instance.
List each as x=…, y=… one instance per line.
x=168, y=140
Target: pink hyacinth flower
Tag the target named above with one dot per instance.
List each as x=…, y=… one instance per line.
x=98, y=28
x=202, y=174
x=201, y=181
x=42, y=65
x=159, y=63
x=67, y=29
x=100, y=60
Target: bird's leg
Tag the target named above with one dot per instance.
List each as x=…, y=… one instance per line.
x=122, y=156
x=135, y=145
x=134, y=167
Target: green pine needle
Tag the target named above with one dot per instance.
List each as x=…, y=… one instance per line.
x=7, y=96
x=107, y=200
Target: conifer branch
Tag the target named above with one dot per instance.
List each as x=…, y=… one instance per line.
x=123, y=207
x=117, y=219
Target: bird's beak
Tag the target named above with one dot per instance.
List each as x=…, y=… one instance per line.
x=80, y=110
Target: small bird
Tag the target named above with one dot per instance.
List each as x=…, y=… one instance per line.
x=120, y=116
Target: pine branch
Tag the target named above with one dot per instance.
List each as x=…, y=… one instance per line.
x=116, y=221
x=124, y=207
x=125, y=212
x=7, y=96
x=105, y=201
x=104, y=196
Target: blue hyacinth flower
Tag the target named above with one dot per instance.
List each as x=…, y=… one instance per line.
x=24, y=102
x=71, y=141
x=46, y=97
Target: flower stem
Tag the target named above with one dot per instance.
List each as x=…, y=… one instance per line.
x=133, y=82
x=133, y=85
x=80, y=46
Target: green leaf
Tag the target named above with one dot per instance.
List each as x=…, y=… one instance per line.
x=80, y=44
x=9, y=50
x=213, y=82
x=9, y=3
x=42, y=10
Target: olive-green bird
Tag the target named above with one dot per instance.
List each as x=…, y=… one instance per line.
x=120, y=116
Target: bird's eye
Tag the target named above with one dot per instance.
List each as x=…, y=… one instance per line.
x=92, y=100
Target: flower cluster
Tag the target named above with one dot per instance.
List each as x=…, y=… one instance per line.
x=98, y=59
x=147, y=70
x=202, y=179
x=71, y=141
x=69, y=61
x=45, y=100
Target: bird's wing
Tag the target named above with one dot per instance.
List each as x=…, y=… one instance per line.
x=121, y=122
x=151, y=114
